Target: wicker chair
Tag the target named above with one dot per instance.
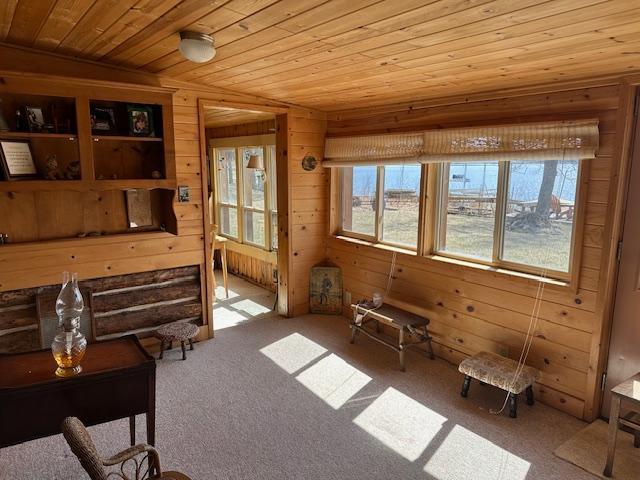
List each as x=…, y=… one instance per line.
x=139, y=462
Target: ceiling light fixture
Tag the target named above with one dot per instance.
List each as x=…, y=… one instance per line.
x=197, y=47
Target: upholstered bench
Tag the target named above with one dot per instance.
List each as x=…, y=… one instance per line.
x=493, y=369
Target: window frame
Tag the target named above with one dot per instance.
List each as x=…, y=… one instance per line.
x=502, y=192
x=379, y=212
x=430, y=211
x=240, y=144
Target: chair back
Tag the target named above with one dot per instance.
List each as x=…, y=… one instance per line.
x=82, y=446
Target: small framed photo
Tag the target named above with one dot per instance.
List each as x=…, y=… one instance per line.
x=103, y=120
x=16, y=161
x=140, y=120
x=35, y=118
x=183, y=194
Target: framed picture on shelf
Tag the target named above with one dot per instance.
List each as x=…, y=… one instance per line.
x=140, y=121
x=35, y=118
x=103, y=120
x=16, y=161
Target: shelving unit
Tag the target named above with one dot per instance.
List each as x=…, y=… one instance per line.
x=110, y=163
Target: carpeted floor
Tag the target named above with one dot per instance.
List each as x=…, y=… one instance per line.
x=275, y=398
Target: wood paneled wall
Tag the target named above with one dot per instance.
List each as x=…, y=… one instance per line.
x=308, y=203
x=303, y=213
x=245, y=129
x=256, y=270
x=473, y=309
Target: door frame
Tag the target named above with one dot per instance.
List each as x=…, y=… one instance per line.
x=617, y=201
x=284, y=247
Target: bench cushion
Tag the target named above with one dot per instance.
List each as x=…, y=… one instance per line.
x=498, y=371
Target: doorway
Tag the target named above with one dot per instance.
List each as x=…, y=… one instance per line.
x=624, y=346
x=241, y=158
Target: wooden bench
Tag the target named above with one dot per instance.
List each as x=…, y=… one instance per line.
x=493, y=369
x=408, y=324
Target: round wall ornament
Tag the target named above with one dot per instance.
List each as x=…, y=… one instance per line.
x=309, y=163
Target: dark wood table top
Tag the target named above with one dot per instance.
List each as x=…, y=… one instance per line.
x=38, y=368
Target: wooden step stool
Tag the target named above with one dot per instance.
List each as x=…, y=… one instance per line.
x=487, y=367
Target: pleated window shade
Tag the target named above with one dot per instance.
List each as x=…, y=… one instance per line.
x=574, y=140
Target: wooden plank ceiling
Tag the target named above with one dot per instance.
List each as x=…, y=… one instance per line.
x=343, y=53
x=223, y=117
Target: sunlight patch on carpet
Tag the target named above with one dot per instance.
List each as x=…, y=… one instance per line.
x=250, y=307
x=464, y=455
x=293, y=352
x=221, y=294
x=333, y=380
x=225, y=318
x=401, y=423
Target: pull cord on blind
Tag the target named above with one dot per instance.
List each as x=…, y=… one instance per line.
x=535, y=141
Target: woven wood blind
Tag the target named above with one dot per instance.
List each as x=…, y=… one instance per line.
x=539, y=141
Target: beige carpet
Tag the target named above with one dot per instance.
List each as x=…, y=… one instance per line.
x=588, y=449
x=290, y=399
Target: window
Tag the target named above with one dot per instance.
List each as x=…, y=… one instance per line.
x=273, y=196
x=515, y=214
x=512, y=213
x=254, y=199
x=382, y=204
x=246, y=208
x=227, y=191
x=468, y=201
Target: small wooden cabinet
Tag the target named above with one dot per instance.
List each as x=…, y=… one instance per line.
x=95, y=142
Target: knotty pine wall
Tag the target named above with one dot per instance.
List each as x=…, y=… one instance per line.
x=472, y=309
x=308, y=203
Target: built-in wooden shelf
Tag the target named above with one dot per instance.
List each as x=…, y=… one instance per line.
x=86, y=240
x=133, y=183
x=97, y=138
x=25, y=135
x=106, y=163
x=84, y=185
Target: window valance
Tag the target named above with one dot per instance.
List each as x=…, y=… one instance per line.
x=534, y=141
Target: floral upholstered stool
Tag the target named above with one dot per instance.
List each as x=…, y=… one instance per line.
x=179, y=332
x=500, y=372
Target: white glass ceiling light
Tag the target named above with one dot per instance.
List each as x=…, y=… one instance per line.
x=196, y=46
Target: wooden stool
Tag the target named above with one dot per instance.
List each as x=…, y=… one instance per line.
x=487, y=367
x=182, y=332
x=219, y=243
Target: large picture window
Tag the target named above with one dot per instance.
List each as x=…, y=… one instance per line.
x=246, y=209
x=510, y=213
x=504, y=197
x=382, y=204
x=515, y=214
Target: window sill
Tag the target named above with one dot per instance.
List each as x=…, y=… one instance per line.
x=500, y=270
x=252, y=251
x=381, y=246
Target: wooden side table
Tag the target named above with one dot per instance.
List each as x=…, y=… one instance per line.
x=118, y=380
x=629, y=392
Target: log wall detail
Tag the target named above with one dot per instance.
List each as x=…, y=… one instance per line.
x=134, y=303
